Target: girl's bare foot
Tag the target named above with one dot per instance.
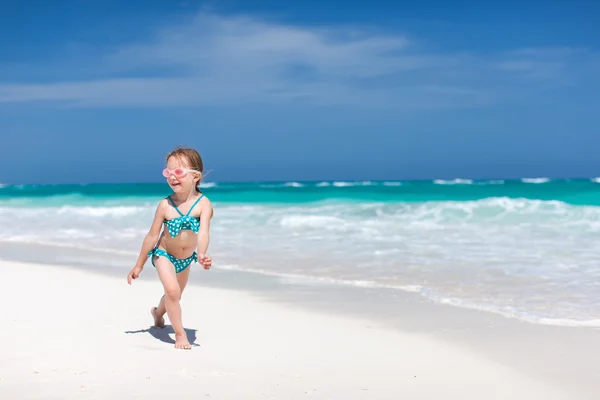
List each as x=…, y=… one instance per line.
x=159, y=321
x=181, y=342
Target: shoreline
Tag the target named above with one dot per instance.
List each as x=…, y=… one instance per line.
x=291, y=279
x=552, y=355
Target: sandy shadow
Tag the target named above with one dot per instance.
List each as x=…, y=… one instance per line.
x=162, y=334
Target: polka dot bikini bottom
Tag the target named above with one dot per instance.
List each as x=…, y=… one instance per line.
x=179, y=264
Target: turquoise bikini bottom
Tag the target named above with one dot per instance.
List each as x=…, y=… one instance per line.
x=179, y=264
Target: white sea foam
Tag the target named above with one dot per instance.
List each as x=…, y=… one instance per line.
x=535, y=180
x=312, y=221
x=346, y=184
x=99, y=211
x=320, y=280
x=529, y=259
x=453, y=182
x=293, y=184
x=280, y=185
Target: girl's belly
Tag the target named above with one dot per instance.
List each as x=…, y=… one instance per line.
x=180, y=246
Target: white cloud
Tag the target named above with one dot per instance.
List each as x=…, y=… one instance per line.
x=238, y=60
x=211, y=41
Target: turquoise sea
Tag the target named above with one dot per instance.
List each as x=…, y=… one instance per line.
x=527, y=249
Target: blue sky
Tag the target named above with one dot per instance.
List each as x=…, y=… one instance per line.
x=99, y=91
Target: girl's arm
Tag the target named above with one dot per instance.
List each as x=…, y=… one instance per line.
x=204, y=236
x=152, y=235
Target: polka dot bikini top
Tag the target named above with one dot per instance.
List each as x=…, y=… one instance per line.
x=184, y=222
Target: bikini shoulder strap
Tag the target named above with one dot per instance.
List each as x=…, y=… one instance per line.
x=173, y=203
x=193, y=205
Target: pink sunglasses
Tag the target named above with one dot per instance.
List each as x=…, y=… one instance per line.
x=178, y=172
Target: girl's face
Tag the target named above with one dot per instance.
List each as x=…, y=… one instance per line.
x=180, y=183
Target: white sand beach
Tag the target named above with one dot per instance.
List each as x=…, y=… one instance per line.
x=73, y=334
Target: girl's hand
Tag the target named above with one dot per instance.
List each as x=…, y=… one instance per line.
x=205, y=260
x=134, y=273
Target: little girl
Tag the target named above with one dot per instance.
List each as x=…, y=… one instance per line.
x=186, y=216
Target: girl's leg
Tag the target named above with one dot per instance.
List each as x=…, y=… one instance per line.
x=168, y=277
x=159, y=312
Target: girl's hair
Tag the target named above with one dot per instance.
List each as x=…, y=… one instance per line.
x=191, y=157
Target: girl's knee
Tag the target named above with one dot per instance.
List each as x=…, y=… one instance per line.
x=172, y=292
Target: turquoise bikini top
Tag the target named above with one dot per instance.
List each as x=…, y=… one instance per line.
x=184, y=222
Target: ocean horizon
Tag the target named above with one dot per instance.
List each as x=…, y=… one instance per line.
x=524, y=248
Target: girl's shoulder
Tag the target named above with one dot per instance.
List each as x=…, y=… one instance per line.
x=205, y=205
x=163, y=204
x=204, y=198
